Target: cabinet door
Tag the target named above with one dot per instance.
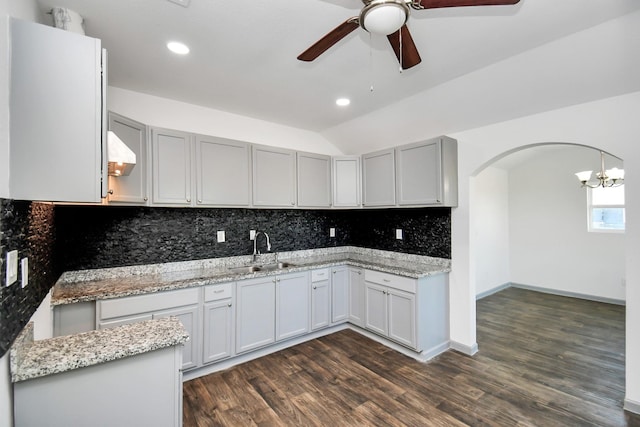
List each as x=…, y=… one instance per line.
x=255, y=313
x=320, y=305
x=376, y=308
x=218, y=330
x=379, y=178
x=223, y=172
x=130, y=189
x=402, y=317
x=56, y=121
x=189, y=318
x=346, y=181
x=292, y=305
x=356, y=297
x=339, y=295
x=171, y=165
x=274, y=176
x=419, y=173
x=314, y=180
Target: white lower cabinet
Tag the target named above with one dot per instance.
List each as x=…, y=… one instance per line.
x=339, y=294
x=183, y=304
x=391, y=313
x=356, y=296
x=292, y=305
x=320, y=299
x=191, y=321
x=255, y=313
x=218, y=326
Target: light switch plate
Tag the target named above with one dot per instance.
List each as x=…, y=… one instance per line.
x=221, y=236
x=24, y=270
x=12, y=267
x=332, y=232
x=252, y=234
x=399, y=233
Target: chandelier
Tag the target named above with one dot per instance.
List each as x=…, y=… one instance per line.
x=613, y=177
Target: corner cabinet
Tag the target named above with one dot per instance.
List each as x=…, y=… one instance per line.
x=57, y=114
x=274, y=177
x=427, y=173
x=314, y=180
x=379, y=178
x=171, y=166
x=223, y=172
x=133, y=188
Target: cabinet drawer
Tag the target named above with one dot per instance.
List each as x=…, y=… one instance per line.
x=319, y=275
x=127, y=306
x=391, y=280
x=218, y=292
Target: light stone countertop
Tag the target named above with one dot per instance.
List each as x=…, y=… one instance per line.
x=99, y=284
x=32, y=359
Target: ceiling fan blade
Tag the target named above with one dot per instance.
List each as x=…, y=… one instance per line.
x=433, y=4
x=333, y=37
x=410, y=56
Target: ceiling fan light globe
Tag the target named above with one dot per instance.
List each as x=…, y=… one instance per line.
x=384, y=17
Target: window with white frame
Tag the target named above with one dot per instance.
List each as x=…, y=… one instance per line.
x=606, y=209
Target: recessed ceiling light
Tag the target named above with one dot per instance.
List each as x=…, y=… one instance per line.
x=177, y=47
x=343, y=102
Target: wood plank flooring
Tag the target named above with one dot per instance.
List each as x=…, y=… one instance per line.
x=544, y=360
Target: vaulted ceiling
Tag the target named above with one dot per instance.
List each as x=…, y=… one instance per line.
x=473, y=70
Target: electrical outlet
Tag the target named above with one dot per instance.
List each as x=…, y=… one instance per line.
x=12, y=267
x=332, y=232
x=399, y=233
x=624, y=282
x=252, y=234
x=24, y=270
x=221, y=236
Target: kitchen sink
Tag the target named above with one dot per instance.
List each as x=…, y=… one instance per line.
x=277, y=266
x=246, y=269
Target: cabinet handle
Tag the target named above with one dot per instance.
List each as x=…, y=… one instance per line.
x=188, y=200
x=320, y=274
x=274, y=280
x=145, y=199
x=315, y=287
x=199, y=201
x=229, y=304
x=110, y=191
x=334, y=272
x=384, y=292
x=218, y=291
x=386, y=280
x=277, y=280
x=359, y=273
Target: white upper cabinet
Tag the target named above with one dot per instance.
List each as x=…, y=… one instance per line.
x=223, y=172
x=57, y=115
x=132, y=188
x=427, y=173
x=274, y=176
x=379, y=174
x=314, y=180
x=171, y=165
x=346, y=181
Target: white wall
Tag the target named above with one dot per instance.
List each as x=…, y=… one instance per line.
x=167, y=113
x=549, y=242
x=490, y=229
x=610, y=124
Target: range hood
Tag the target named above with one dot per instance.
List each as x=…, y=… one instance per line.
x=120, y=158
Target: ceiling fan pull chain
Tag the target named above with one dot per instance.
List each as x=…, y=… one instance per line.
x=370, y=64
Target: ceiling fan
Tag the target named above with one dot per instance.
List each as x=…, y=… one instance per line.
x=389, y=17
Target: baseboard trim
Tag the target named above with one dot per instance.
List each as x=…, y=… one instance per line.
x=463, y=348
x=424, y=356
x=492, y=291
x=568, y=294
x=632, y=406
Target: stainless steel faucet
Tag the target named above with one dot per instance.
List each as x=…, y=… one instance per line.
x=255, y=244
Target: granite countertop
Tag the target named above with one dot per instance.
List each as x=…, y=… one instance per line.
x=91, y=285
x=32, y=359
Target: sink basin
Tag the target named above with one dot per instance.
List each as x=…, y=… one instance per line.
x=246, y=269
x=278, y=266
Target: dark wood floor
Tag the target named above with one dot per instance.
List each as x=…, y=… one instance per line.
x=544, y=361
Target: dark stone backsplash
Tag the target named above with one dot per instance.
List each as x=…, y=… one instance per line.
x=28, y=228
x=67, y=237
x=99, y=236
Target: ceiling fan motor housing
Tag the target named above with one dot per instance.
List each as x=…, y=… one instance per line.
x=384, y=16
